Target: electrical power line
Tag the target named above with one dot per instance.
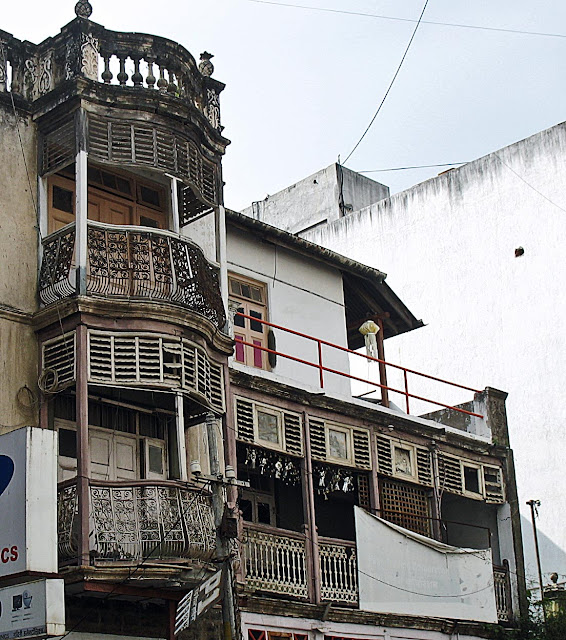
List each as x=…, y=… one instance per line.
x=418, y=166
x=390, y=84
x=457, y=25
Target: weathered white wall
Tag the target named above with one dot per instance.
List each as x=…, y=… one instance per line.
x=448, y=246
x=315, y=200
x=303, y=295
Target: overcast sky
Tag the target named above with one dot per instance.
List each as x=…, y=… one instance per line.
x=302, y=85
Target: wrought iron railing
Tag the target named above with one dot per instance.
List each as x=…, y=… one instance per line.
x=502, y=588
x=139, y=520
x=275, y=562
x=338, y=571
x=133, y=262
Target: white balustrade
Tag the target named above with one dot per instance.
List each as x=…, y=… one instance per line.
x=338, y=571
x=275, y=562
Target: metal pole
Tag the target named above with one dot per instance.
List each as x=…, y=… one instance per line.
x=533, y=505
x=222, y=549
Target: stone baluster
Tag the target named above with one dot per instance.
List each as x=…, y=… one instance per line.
x=171, y=87
x=107, y=74
x=150, y=80
x=122, y=76
x=137, y=77
x=162, y=83
x=3, y=67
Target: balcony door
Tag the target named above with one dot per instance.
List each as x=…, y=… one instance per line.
x=113, y=456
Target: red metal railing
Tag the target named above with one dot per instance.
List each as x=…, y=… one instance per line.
x=321, y=368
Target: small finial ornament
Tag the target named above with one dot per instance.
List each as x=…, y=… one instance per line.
x=83, y=9
x=206, y=67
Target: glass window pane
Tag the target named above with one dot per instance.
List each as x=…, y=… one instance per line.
x=245, y=290
x=258, y=355
x=254, y=325
x=149, y=196
x=240, y=357
x=123, y=185
x=155, y=459
x=263, y=513
x=238, y=320
x=471, y=480
x=235, y=287
x=267, y=426
x=67, y=443
x=109, y=180
x=62, y=199
x=337, y=444
x=148, y=222
x=256, y=294
x=246, y=509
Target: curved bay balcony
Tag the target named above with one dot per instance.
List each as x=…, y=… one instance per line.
x=136, y=520
x=133, y=263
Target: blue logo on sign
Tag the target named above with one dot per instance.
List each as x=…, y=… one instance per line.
x=6, y=472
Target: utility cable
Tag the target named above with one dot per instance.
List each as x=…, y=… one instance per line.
x=399, y=19
x=418, y=166
x=528, y=183
x=390, y=84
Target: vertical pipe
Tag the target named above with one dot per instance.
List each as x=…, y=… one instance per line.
x=533, y=504
x=406, y=391
x=320, y=364
x=382, y=365
x=83, y=449
x=81, y=203
x=222, y=550
x=312, y=533
x=175, y=220
x=180, y=426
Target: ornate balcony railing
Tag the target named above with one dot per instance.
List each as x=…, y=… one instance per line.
x=139, y=520
x=133, y=262
x=84, y=49
x=502, y=593
x=275, y=562
x=338, y=571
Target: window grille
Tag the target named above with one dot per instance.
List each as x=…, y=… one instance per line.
x=406, y=506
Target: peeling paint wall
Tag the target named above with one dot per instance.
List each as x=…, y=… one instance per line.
x=18, y=224
x=448, y=246
x=18, y=273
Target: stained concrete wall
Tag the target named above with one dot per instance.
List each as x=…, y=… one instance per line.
x=18, y=272
x=316, y=200
x=303, y=295
x=448, y=246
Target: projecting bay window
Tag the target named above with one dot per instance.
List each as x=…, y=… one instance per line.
x=124, y=444
x=251, y=299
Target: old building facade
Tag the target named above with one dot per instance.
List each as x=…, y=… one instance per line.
x=173, y=344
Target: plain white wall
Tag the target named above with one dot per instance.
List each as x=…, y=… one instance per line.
x=303, y=295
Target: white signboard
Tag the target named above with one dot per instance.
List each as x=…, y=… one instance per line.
x=405, y=573
x=31, y=610
x=28, y=501
x=197, y=601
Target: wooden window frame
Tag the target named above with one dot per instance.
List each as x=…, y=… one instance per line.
x=245, y=333
x=138, y=208
x=348, y=432
x=413, y=476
